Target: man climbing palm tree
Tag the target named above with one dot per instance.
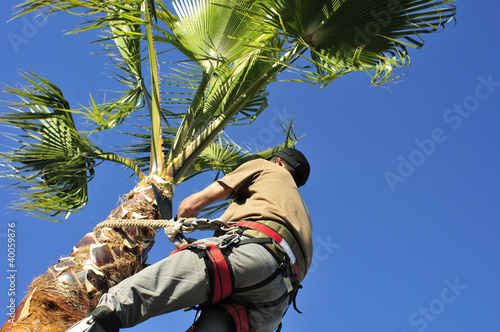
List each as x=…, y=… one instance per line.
x=233, y=50
x=244, y=279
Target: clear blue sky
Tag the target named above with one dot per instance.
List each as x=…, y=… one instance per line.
x=404, y=191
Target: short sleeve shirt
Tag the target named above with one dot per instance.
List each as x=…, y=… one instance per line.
x=263, y=190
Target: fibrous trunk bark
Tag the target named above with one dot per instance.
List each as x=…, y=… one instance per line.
x=71, y=289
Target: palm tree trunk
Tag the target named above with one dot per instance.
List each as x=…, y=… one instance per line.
x=71, y=289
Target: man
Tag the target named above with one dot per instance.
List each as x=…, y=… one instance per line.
x=243, y=280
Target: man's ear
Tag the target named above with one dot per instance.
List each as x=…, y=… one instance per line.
x=279, y=162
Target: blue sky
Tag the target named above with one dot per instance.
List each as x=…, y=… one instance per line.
x=403, y=193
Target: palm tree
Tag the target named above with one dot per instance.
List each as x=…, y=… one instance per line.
x=228, y=52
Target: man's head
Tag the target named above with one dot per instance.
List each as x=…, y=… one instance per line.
x=295, y=162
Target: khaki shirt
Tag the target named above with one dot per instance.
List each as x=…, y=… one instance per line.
x=263, y=190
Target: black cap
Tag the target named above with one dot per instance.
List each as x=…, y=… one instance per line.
x=298, y=161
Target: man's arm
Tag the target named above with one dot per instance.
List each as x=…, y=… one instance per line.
x=192, y=205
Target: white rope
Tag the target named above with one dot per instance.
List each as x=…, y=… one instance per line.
x=173, y=228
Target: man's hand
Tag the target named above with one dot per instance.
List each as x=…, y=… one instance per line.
x=192, y=205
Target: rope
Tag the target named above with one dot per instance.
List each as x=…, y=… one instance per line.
x=153, y=223
x=172, y=227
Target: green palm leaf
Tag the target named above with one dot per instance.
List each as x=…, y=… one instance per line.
x=217, y=31
x=53, y=162
x=124, y=50
x=122, y=21
x=231, y=93
x=347, y=35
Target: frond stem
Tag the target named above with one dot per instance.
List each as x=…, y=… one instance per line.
x=124, y=161
x=187, y=122
x=156, y=162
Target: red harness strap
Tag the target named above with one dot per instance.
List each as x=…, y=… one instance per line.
x=222, y=276
x=238, y=313
x=218, y=268
x=178, y=249
x=276, y=237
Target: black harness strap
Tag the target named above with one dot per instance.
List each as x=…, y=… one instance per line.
x=284, y=269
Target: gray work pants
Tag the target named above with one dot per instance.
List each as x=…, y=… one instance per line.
x=180, y=281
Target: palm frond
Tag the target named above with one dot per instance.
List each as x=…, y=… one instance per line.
x=215, y=95
x=52, y=162
x=215, y=32
x=156, y=161
x=181, y=81
x=108, y=115
x=139, y=148
x=214, y=209
x=124, y=30
x=231, y=82
x=231, y=94
x=364, y=35
x=121, y=22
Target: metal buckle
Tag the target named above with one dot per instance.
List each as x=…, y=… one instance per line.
x=234, y=238
x=288, y=283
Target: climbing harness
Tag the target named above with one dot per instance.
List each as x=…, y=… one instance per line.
x=286, y=242
x=283, y=248
x=274, y=236
x=292, y=265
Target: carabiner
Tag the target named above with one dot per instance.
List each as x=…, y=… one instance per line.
x=233, y=238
